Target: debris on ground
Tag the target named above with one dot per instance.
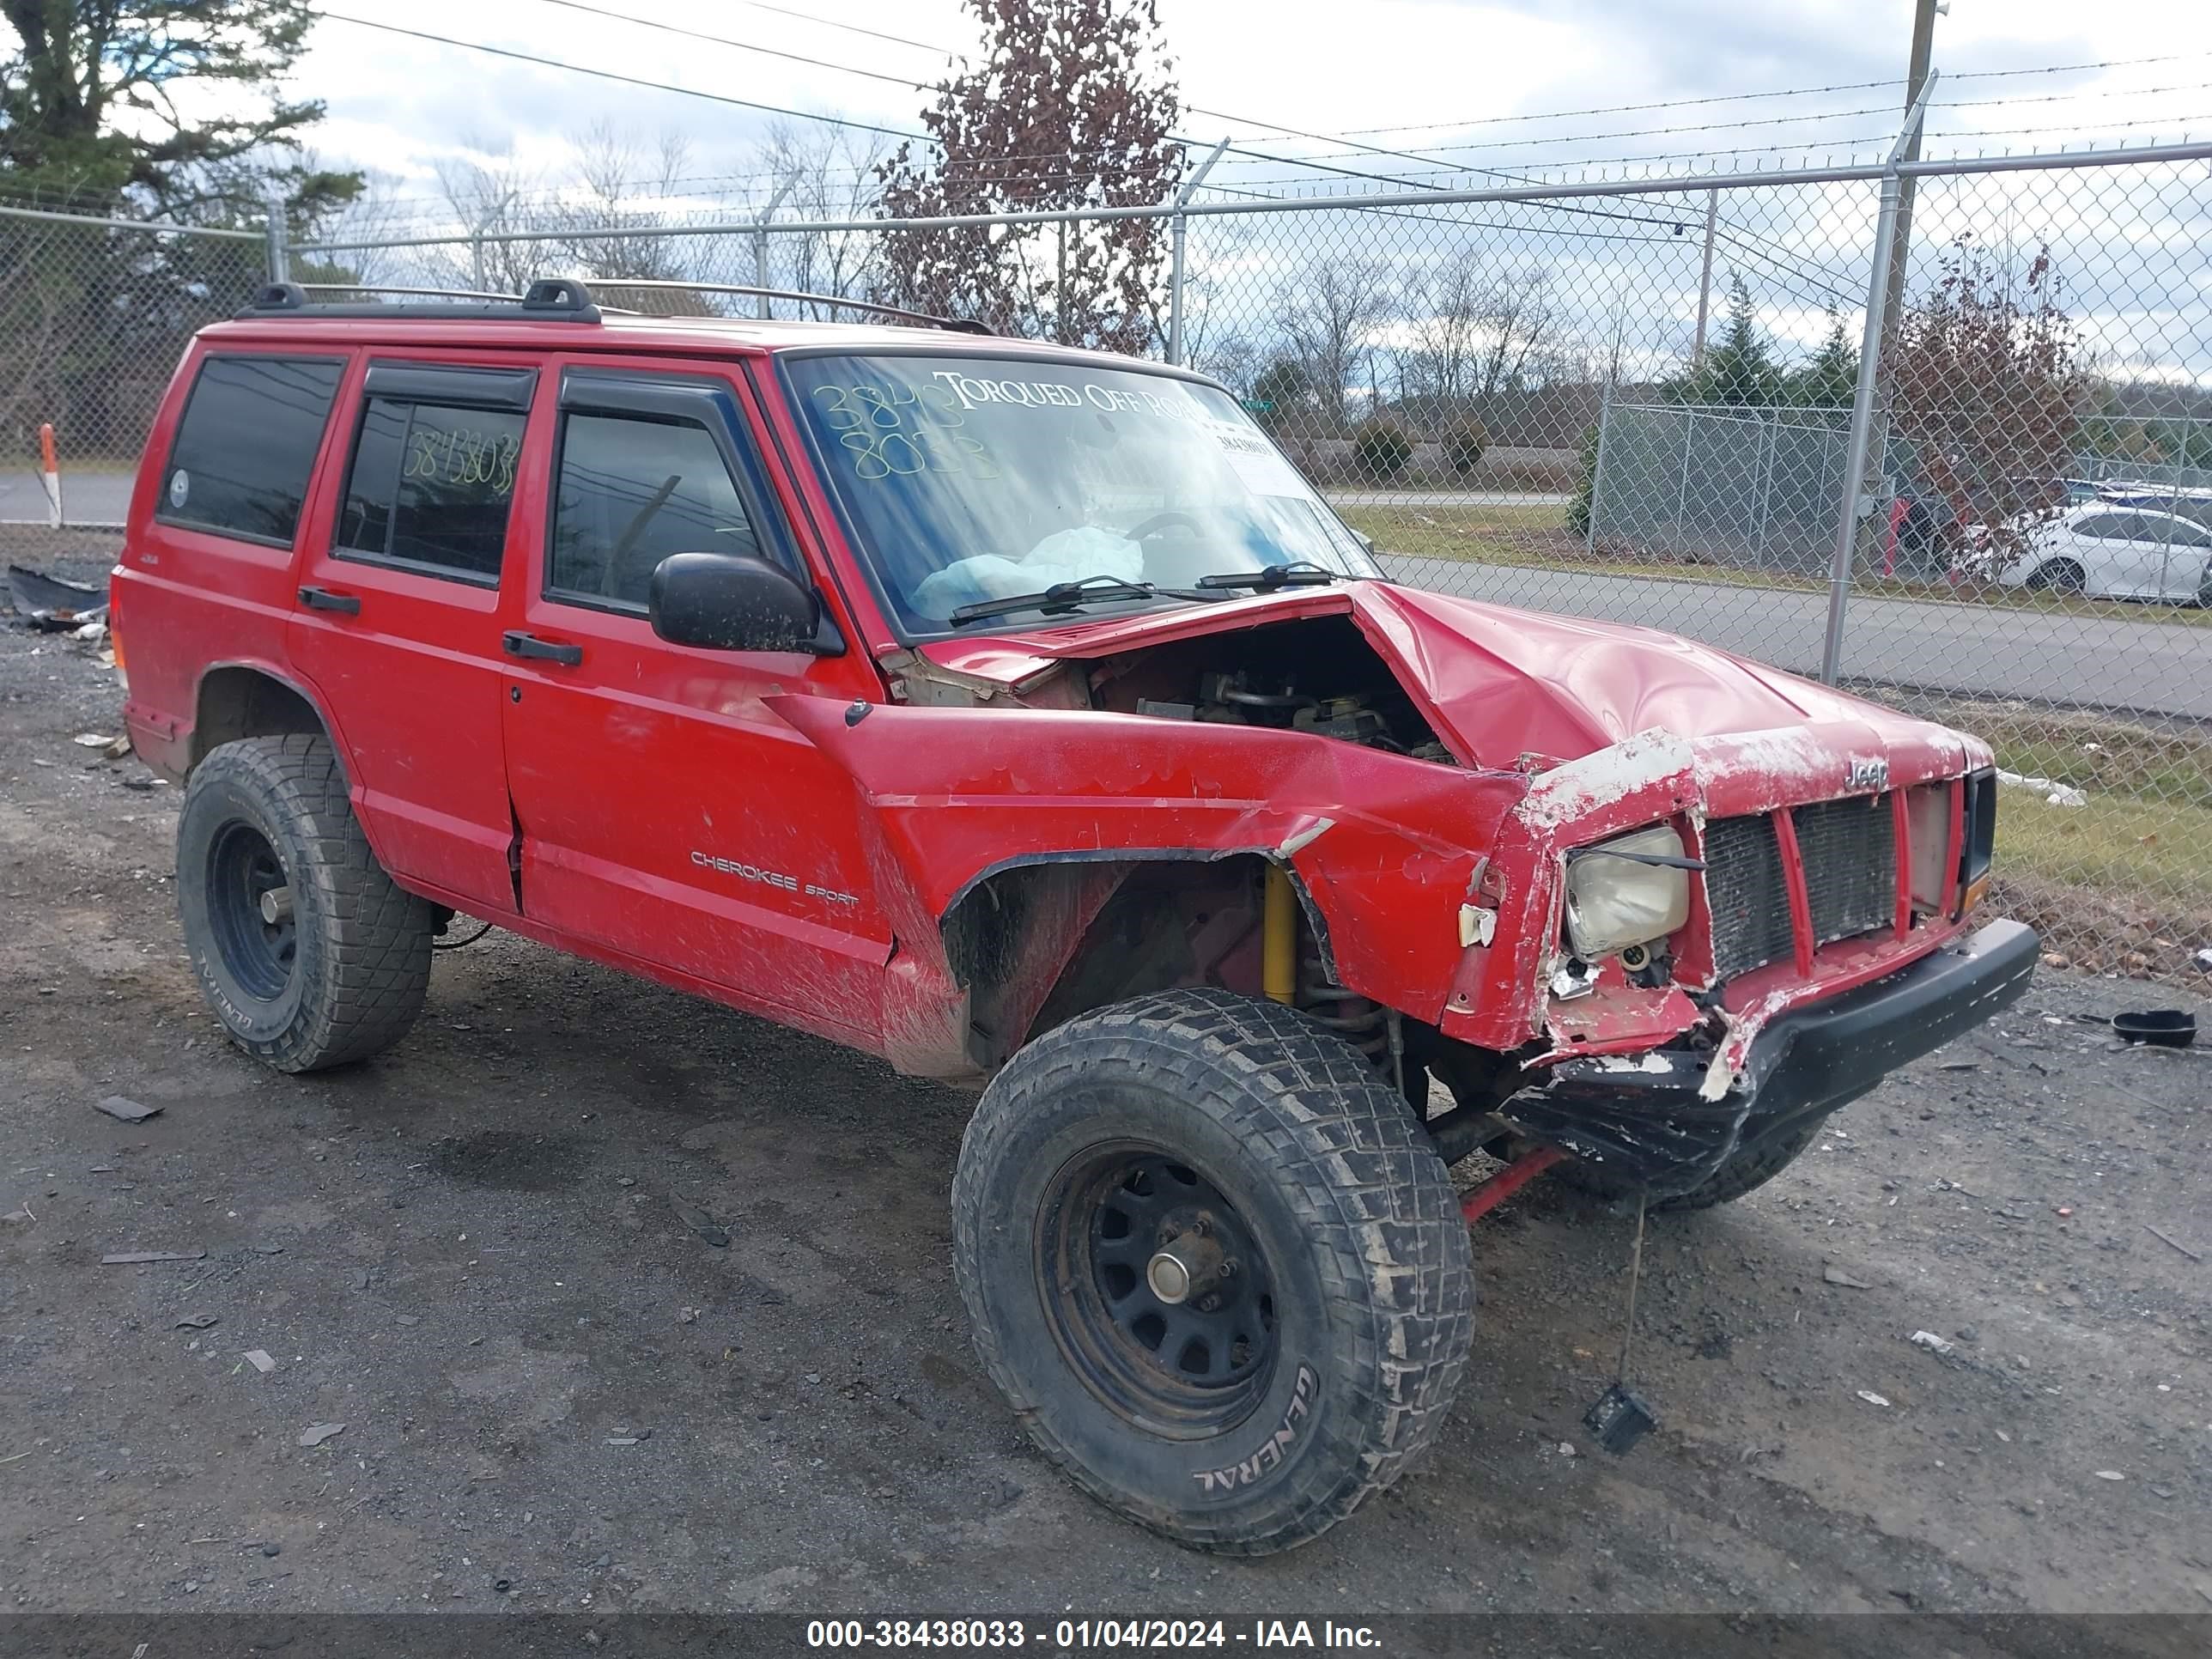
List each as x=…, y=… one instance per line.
x=2165, y=1028
x=92, y=740
x=315, y=1433
x=2054, y=793
x=259, y=1360
x=1834, y=1275
x=2110, y=1474
x=195, y=1322
x=51, y=605
x=133, y=1258
x=125, y=1108
x=1872, y=1398
x=1930, y=1341
x=2165, y=1238
x=701, y=1224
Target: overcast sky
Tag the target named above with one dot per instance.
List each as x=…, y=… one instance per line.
x=397, y=104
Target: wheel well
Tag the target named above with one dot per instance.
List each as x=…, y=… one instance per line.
x=1039, y=944
x=238, y=702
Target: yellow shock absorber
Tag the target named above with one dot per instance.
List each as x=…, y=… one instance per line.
x=1278, y=938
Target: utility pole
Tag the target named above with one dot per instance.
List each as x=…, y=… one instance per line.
x=1916, y=77
x=1705, y=280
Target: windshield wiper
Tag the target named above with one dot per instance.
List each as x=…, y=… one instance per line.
x=1070, y=596
x=1299, y=573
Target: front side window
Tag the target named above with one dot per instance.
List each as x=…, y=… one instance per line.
x=966, y=479
x=245, y=445
x=630, y=491
x=431, y=488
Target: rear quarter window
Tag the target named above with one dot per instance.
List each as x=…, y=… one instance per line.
x=246, y=444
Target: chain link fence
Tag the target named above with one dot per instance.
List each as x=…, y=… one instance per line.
x=1657, y=401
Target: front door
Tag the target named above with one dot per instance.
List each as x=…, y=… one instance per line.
x=397, y=623
x=666, y=812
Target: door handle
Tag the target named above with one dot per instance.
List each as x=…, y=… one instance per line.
x=321, y=599
x=516, y=643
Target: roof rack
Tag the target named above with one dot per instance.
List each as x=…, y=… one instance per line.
x=956, y=325
x=552, y=299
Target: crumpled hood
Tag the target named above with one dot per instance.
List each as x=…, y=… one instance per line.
x=1509, y=683
x=1501, y=683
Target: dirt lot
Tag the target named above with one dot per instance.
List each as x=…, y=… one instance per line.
x=557, y=1394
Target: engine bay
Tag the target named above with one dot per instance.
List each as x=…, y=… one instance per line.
x=1317, y=675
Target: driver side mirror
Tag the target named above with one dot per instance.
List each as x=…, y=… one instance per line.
x=734, y=602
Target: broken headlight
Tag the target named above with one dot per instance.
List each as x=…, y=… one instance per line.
x=1630, y=891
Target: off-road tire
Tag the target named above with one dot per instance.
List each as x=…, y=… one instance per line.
x=361, y=960
x=1347, y=1202
x=1752, y=1167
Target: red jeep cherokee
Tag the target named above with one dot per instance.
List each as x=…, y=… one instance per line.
x=1019, y=715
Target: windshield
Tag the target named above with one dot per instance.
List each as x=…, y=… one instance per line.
x=969, y=479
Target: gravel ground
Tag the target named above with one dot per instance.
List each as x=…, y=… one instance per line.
x=555, y=1394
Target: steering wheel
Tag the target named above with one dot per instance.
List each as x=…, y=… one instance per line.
x=1160, y=521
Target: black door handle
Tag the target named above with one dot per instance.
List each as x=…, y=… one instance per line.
x=516, y=643
x=321, y=599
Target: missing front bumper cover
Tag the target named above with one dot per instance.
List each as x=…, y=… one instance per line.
x=1645, y=1119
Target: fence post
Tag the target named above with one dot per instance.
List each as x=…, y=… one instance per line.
x=1767, y=459
x=1178, y=227
x=764, y=307
x=1682, y=489
x=1870, y=339
x=1597, y=473
x=280, y=264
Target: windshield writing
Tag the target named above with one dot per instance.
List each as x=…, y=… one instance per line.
x=968, y=480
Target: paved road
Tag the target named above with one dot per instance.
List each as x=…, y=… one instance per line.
x=89, y=498
x=2163, y=667
x=1413, y=501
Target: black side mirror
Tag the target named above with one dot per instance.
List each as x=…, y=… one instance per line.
x=734, y=602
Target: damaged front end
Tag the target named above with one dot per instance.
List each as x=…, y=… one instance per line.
x=1798, y=942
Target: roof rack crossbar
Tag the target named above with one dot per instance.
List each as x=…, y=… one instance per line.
x=555, y=299
x=956, y=325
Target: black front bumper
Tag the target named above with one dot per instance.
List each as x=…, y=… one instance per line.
x=1644, y=1117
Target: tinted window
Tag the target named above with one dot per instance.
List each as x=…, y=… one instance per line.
x=2103, y=527
x=246, y=444
x=430, y=487
x=630, y=492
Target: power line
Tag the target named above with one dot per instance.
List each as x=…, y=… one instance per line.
x=611, y=75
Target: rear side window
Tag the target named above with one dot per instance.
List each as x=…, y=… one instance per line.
x=247, y=441
x=631, y=491
x=431, y=482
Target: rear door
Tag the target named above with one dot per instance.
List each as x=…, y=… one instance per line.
x=398, y=624
x=666, y=813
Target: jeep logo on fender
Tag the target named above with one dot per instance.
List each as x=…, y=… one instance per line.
x=1269, y=1458
x=1868, y=774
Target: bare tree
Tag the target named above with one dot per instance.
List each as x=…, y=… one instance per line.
x=824, y=175
x=1327, y=315
x=489, y=192
x=623, y=183
x=1471, y=336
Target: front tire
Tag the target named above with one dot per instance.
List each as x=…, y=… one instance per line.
x=2059, y=576
x=307, y=952
x=1304, y=1342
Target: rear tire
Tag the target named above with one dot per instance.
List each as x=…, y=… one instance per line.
x=1342, y=1325
x=307, y=952
x=2058, y=576
x=1752, y=1166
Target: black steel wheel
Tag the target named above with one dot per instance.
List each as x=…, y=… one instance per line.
x=1215, y=1265
x=249, y=900
x=1167, y=1317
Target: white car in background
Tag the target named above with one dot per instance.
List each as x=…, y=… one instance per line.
x=2110, y=550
